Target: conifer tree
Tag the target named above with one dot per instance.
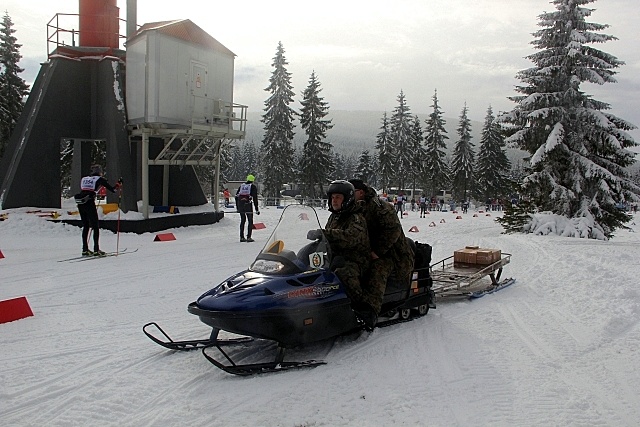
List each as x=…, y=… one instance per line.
x=350, y=163
x=463, y=158
x=418, y=153
x=366, y=170
x=315, y=165
x=516, y=216
x=66, y=157
x=578, y=150
x=635, y=177
x=338, y=161
x=226, y=167
x=237, y=165
x=401, y=142
x=436, y=171
x=492, y=166
x=249, y=157
x=385, y=154
x=344, y=165
x=277, y=144
x=13, y=88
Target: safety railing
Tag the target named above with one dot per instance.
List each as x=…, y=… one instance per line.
x=63, y=30
x=219, y=114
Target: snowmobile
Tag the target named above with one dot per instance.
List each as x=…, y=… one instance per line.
x=290, y=295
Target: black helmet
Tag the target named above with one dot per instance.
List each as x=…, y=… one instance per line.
x=342, y=187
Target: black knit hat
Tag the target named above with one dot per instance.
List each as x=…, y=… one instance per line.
x=358, y=184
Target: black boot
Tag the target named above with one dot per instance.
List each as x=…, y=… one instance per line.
x=366, y=314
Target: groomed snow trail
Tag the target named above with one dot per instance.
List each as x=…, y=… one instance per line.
x=559, y=347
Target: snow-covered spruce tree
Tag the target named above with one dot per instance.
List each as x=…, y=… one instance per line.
x=350, y=163
x=344, y=165
x=463, y=159
x=338, y=166
x=492, y=165
x=401, y=142
x=436, y=175
x=277, y=151
x=316, y=166
x=516, y=216
x=13, y=88
x=226, y=164
x=366, y=170
x=250, y=157
x=578, y=150
x=417, y=152
x=66, y=157
x=385, y=154
x=635, y=177
x=237, y=166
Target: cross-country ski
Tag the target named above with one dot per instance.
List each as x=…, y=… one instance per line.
x=90, y=257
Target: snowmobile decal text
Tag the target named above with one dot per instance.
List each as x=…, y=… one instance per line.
x=312, y=292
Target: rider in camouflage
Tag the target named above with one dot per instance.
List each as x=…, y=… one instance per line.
x=390, y=250
x=346, y=231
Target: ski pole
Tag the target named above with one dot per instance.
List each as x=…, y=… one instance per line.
x=118, y=227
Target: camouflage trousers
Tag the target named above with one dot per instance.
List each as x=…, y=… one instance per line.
x=350, y=275
x=371, y=290
x=378, y=274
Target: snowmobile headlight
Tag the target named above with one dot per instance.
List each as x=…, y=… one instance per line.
x=265, y=266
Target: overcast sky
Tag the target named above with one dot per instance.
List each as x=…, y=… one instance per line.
x=365, y=52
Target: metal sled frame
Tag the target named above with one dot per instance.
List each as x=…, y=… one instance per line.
x=457, y=279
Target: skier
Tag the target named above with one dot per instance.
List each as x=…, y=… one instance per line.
x=89, y=186
x=246, y=195
x=399, y=204
x=423, y=206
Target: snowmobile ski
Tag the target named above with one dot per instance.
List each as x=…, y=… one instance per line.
x=493, y=288
x=259, y=368
x=187, y=345
x=87, y=257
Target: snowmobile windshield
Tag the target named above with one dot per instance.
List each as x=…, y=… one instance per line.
x=288, y=249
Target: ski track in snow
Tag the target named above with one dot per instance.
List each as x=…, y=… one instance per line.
x=559, y=347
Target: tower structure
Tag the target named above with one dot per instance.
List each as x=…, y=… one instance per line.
x=80, y=94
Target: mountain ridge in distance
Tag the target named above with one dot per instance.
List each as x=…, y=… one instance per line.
x=356, y=131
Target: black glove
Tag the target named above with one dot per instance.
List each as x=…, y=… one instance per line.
x=314, y=234
x=257, y=212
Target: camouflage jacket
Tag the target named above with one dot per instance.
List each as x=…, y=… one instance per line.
x=385, y=232
x=346, y=232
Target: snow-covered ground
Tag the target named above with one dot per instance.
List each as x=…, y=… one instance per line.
x=561, y=347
